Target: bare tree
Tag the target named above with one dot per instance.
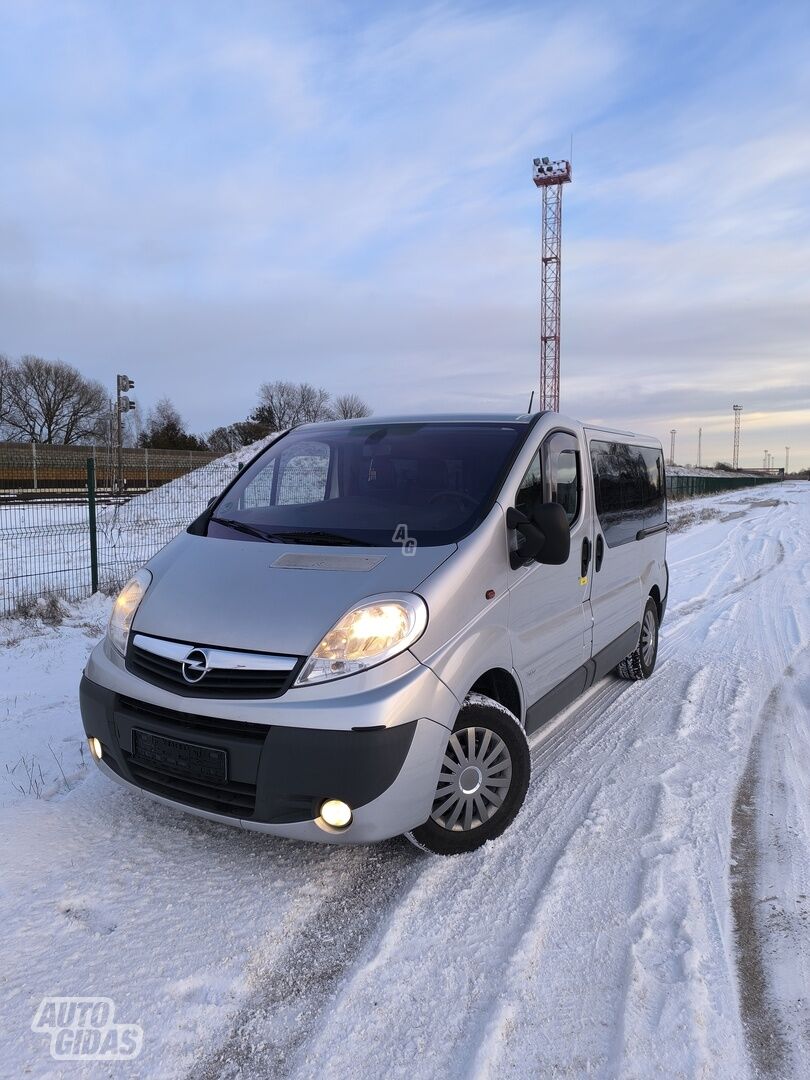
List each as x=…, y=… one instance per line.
x=51, y=402
x=284, y=404
x=349, y=407
x=165, y=429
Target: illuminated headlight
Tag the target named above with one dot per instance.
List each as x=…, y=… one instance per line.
x=372, y=632
x=124, y=609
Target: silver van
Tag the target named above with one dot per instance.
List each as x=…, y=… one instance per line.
x=358, y=638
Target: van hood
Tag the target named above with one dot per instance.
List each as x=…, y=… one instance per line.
x=279, y=598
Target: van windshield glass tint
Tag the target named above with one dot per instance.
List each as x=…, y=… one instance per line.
x=382, y=485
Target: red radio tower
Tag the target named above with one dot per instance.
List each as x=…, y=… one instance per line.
x=550, y=176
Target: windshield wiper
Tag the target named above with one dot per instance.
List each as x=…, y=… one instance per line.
x=316, y=536
x=242, y=526
x=309, y=536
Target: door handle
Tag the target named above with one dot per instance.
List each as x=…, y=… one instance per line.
x=586, y=557
x=600, y=552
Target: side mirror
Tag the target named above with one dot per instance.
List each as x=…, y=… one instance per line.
x=547, y=536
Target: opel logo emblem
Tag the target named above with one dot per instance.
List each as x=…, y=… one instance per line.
x=195, y=666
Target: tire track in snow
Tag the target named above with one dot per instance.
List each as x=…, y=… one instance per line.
x=777, y=1032
x=283, y=1007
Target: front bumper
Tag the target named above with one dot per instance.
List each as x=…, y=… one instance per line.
x=279, y=772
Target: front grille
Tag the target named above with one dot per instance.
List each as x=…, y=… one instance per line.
x=217, y=682
x=231, y=798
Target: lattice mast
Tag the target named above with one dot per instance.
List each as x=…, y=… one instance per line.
x=550, y=176
x=735, y=457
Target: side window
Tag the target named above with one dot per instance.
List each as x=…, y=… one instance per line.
x=303, y=472
x=259, y=492
x=655, y=507
x=629, y=488
x=531, y=486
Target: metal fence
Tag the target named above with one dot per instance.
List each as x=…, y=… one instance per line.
x=39, y=469
x=66, y=529
x=687, y=487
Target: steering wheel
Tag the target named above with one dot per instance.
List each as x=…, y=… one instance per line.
x=460, y=496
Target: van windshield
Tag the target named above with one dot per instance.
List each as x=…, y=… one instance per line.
x=370, y=484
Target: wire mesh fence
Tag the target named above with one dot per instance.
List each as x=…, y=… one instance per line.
x=69, y=522
x=76, y=519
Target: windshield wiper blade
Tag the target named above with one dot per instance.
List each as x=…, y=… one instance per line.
x=317, y=536
x=308, y=536
x=242, y=526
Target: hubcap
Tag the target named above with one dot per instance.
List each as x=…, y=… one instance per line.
x=475, y=777
x=648, y=638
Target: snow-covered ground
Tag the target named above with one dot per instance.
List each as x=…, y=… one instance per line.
x=648, y=914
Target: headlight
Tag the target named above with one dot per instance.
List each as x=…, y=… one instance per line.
x=372, y=632
x=126, y=604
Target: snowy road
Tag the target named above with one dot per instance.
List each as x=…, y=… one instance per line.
x=647, y=915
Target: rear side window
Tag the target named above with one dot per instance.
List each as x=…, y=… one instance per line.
x=629, y=488
x=303, y=470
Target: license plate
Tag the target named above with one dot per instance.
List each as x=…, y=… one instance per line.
x=184, y=759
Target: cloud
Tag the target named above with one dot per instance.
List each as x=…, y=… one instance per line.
x=343, y=194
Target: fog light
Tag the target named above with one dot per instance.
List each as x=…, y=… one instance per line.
x=336, y=813
x=95, y=748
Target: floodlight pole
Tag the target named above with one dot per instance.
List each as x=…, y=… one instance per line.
x=550, y=177
x=672, y=432
x=700, y=441
x=787, y=460
x=735, y=457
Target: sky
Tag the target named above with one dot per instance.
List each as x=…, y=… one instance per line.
x=207, y=196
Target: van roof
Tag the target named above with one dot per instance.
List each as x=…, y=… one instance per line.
x=434, y=418
x=479, y=418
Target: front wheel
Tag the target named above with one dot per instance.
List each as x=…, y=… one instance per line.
x=482, y=783
x=641, y=661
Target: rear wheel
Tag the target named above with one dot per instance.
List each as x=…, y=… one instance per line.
x=482, y=783
x=640, y=663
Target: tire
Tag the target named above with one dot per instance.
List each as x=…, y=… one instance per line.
x=487, y=748
x=641, y=662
